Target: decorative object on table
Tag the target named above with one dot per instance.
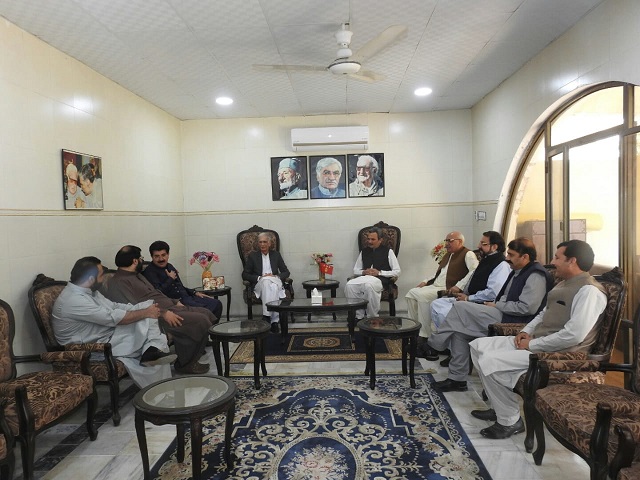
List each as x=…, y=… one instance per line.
x=81, y=181
x=213, y=283
x=205, y=260
x=316, y=296
x=366, y=175
x=303, y=427
x=323, y=260
x=439, y=251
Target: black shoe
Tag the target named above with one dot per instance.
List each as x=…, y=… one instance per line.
x=449, y=385
x=445, y=362
x=275, y=327
x=193, y=368
x=497, y=431
x=488, y=415
x=266, y=318
x=153, y=356
x=428, y=353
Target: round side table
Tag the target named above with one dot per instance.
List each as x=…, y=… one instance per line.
x=238, y=331
x=332, y=285
x=393, y=328
x=218, y=292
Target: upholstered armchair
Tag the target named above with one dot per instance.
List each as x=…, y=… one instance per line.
x=7, y=442
x=247, y=241
x=598, y=422
x=104, y=367
x=36, y=401
x=572, y=367
x=392, y=240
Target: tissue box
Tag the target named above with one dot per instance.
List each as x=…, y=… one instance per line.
x=316, y=298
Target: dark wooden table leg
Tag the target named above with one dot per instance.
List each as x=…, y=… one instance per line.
x=351, y=321
x=284, y=325
x=225, y=352
x=142, y=443
x=372, y=362
x=333, y=295
x=196, y=448
x=228, y=430
x=308, y=296
x=180, y=442
x=405, y=342
x=413, y=346
x=216, y=355
x=263, y=364
x=367, y=363
x=256, y=363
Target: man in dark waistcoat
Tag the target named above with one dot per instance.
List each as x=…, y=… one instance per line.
x=521, y=298
x=569, y=322
x=375, y=264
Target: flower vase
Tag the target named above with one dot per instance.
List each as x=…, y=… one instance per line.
x=321, y=274
x=206, y=274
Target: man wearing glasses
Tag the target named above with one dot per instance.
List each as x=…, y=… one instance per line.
x=454, y=271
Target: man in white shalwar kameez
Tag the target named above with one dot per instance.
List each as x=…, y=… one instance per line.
x=81, y=314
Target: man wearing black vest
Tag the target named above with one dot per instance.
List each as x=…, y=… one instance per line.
x=375, y=264
x=522, y=297
x=568, y=323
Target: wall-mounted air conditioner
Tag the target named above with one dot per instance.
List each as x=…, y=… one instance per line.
x=329, y=138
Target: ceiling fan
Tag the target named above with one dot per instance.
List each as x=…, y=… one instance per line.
x=347, y=63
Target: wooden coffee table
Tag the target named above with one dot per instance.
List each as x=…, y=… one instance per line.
x=287, y=307
x=331, y=285
x=405, y=329
x=185, y=400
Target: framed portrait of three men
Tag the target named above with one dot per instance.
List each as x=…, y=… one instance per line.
x=327, y=176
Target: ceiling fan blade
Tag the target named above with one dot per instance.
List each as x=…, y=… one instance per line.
x=386, y=38
x=289, y=68
x=367, y=76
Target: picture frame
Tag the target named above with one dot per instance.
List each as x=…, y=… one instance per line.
x=81, y=181
x=289, y=178
x=369, y=180
x=213, y=283
x=327, y=176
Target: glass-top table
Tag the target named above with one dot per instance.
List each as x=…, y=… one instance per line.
x=328, y=305
x=185, y=400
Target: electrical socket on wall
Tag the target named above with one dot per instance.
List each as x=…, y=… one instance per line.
x=481, y=215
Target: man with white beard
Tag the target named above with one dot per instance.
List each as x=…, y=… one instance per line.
x=367, y=182
x=289, y=179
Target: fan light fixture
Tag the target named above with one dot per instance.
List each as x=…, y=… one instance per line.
x=344, y=66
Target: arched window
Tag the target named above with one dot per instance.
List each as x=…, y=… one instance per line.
x=578, y=179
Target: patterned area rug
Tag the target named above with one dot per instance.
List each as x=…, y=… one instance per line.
x=330, y=344
x=334, y=428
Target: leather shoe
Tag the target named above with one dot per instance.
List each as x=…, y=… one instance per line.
x=266, y=318
x=488, y=415
x=497, y=431
x=193, y=368
x=449, y=385
x=428, y=353
x=275, y=327
x=154, y=356
x=445, y=362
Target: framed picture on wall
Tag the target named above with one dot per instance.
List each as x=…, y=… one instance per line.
x=289, y=178
x=81, y=181
x=327, y=176
x=366, y=175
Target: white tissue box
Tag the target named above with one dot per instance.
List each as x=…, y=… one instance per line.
x=316, y=299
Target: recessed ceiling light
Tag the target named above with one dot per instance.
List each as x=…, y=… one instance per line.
x=224, y=101
x=423, y=91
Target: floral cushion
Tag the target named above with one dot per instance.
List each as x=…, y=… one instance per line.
x=51, y=395
x=571, y=412
x=3, y=447
x=630, y=473
x=6, y=365
x=44, y=299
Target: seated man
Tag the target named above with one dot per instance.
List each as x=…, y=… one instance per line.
x=164, y=276
x=82, y=315
x=569, y=322
x=187, y=326
x=487, y=280
x=375, y=264
x=453, y=274
x=266, y=270
x=519, y=301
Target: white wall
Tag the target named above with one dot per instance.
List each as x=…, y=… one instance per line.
x=49, y=102
x=601, y=47
x=228, y=189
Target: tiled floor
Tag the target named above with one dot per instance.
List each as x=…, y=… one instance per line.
x=115, y=455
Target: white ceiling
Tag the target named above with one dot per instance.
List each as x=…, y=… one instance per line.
x=181, y=54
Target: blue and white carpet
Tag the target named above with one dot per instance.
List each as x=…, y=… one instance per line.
x=335, y=428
